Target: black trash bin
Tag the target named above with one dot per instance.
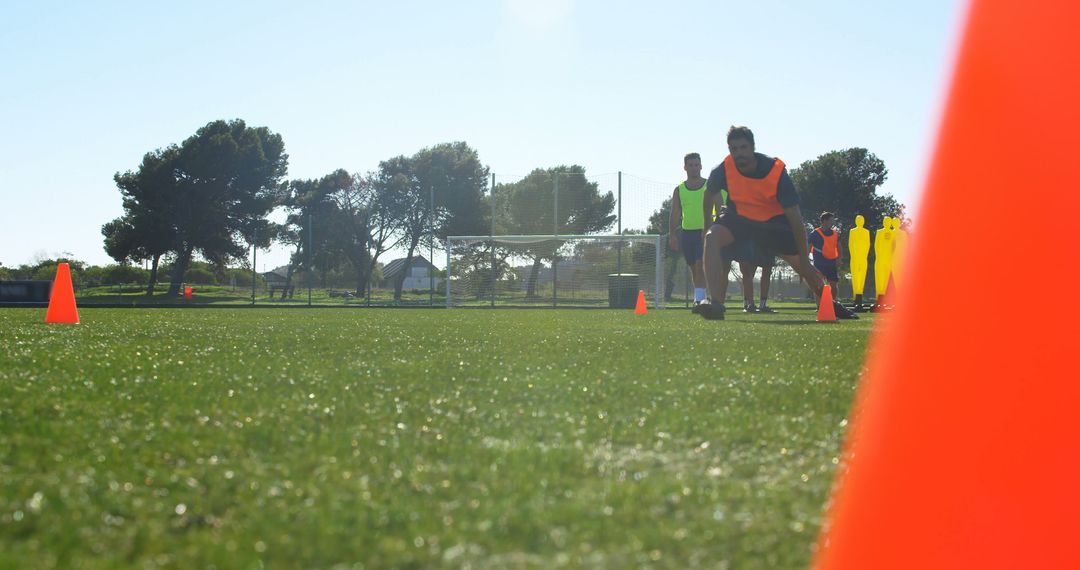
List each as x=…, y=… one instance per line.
x=27, y=293
x=622, y=290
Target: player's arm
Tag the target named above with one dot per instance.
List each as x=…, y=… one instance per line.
x=812, y=241
x=798, y=229
x=714, y=198
x=674, y=221
x=789, y=201
x=707, y=208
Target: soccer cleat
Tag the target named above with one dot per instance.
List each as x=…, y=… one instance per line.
x=766, y=309
x=749, y=308
x=710, y=311
x=696, y=309
x=843, y=312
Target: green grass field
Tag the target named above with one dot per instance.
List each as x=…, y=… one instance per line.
x=385, y=438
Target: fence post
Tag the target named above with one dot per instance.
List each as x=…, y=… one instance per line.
x=492, y=244
x=311, y=268
x=618, y=263
x=659, y=276
x=254, y=260
x=431, y=248
x=555, y=254
x=448, y=272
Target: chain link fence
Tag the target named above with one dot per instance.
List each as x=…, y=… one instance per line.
x=561, y=202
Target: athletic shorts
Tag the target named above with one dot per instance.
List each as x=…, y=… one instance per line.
x=827, y=268
x=769, y=238
x=691, y=245
x=745, y=252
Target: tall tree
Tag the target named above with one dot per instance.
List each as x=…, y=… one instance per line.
x=460, y=183
x=846, y=183
x=530, y=209
x=409, y=204
x=147, y=229
x=356, y=210
x=371, y=201
x=209, y=195
x=312, y=224
x=437, y=192
x=228, y=179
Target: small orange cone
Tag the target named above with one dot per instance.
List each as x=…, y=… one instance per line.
x=825, y=311
x=62, y=301
x=641, y=307
x=187, y=292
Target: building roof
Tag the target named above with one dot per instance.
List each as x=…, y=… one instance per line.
x=277, y=273
x=396, y=266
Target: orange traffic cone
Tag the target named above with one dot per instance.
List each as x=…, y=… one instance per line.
x=961, y=452
x=825, y=311
x=62, y=301
x=641, y=307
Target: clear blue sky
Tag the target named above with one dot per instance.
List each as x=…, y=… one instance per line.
x=88, y=88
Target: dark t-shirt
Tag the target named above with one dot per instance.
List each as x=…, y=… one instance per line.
x=816, y=243
x=785, y=191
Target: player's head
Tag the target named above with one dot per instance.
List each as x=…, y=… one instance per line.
x=827, y=219
x=859, y=220
x=886, y=223
x=740, y=143
x=692, y=165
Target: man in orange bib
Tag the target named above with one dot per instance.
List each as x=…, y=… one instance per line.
x=763, y=207
x=825, y=243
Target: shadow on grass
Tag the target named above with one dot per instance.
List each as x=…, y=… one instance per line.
x=142, y=300
x=788, y=322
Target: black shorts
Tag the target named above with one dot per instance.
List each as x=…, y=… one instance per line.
x=745, y=252
x=691, y=245
x=827, y=268
x=771, y=237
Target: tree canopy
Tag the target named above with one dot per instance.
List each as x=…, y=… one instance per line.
x=147, y=229
x=210, y=195
x=529, y=205
x=439, y=191
x=845, y=182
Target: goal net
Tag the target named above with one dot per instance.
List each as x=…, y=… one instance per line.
x=553, y=271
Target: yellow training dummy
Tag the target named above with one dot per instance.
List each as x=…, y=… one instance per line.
x=859, y=247
x=899, y=248
x=883, y=250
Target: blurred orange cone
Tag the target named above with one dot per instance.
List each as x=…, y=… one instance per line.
x=641, y=307
x=825, y=311
x=62, y=301
x=962, y=450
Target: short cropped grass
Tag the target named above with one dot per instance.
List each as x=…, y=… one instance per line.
x=409, y=438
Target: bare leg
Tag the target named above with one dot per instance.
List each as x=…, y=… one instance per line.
x=715, y=269
x=698, y=272
x=747, y=271
x=766, y=277
x=813, y=278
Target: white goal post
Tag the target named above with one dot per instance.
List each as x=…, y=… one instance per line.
x=554, y=270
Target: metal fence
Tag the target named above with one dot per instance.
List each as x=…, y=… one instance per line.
x=559, y=202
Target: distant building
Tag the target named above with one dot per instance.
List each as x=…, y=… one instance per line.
x=418, y=276
x=276, y=276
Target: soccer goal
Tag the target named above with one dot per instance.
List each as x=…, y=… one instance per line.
x=553, y=271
